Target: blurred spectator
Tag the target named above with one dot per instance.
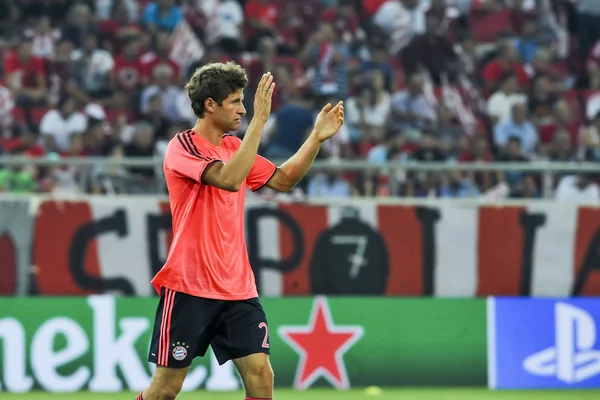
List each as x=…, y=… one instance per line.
x=446, y=130
x=25, y=144
x=6, y=109
x=541, y=101
x=411, y=110
x=466, y=52
x=110, y=178
x=93, y=70
x=430, y=52
x=18, y=179
x=44, y=37
x=225, y=26
x=590, y=140
x=142, y=145
x=368, y=112
x=500, y=104
x=154, y=116
x=528, y=42
x=588, y=25
x=261, y=17
x=119, y=27
x=506, y=60
x=561, y=119
x=62, y=122
x=414, y=75
x=488, y=19
x=105, y=9
x=579, y=188
x=393, y=21
x=329, y=184
x=429, y=151
x=58, y=70
x=389, y=150
x=518, y=127
x=478, y=150
x=458, y=186
x=516, y=180
x=344, y=19
x=293, y=122
x=129, y=70
x=25, y=75
x=159, y=57
x=168, y=94
x=379, y=60
x=162, y=15
x=562, y=149
x=79, y=24
x=330, y=56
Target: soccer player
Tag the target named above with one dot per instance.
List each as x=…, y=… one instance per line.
x=207, y=290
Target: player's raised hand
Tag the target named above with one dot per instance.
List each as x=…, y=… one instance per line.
x=329, y=121
x=264, y=94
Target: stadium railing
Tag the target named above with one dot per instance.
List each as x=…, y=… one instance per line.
x=546, y=170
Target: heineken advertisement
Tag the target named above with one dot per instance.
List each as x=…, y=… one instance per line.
x=100, y=343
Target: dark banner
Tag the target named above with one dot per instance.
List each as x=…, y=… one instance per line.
x=116, y=245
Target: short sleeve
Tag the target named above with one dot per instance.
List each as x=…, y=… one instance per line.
x=261, y=172
x=184, y=158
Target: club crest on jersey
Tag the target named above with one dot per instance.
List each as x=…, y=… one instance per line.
x=179, y=351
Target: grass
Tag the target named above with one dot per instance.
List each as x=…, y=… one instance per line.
x=356, y=394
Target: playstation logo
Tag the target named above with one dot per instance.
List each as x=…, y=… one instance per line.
x=572, y=359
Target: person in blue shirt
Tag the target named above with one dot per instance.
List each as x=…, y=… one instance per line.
x=162, y=15
x=516, y=126
x=293, y=123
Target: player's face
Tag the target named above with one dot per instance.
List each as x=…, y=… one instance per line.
x=230, y=114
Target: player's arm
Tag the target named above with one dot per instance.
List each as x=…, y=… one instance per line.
x=230, y=176
x=287, y=176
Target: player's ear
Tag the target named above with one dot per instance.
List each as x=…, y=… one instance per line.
x=210, y=105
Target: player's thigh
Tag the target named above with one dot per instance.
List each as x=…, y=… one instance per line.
x=183, y=328
x=167, y=382
x=254, y=366
x=242, y=330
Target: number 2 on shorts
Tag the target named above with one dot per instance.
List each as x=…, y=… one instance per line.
x=264, y=325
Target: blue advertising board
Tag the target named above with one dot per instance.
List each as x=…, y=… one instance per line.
x=542, y=343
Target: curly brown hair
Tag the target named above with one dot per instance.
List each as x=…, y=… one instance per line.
x=216, y=81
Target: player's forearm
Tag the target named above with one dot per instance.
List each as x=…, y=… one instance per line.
x=238, y=167
x=294, y=169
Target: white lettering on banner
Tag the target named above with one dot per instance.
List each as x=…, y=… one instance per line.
x=357, y=259
x=45, y=359
x=111, y=351
x=13, y=348
x=126, y=246
x=573, y=358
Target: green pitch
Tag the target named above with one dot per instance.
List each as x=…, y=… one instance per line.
x=313, y=394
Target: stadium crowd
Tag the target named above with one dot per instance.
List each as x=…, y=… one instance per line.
x=423, y=80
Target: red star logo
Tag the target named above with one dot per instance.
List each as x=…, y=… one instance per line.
x=321, y=346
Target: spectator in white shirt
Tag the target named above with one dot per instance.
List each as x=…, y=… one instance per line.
x=62, y=122
x=224, y=27
x=169, y=93
x=368, y=112
x=577, y=189
x=500, y=103
x=44, y=37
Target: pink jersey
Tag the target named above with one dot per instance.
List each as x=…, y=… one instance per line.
x=208, y=256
